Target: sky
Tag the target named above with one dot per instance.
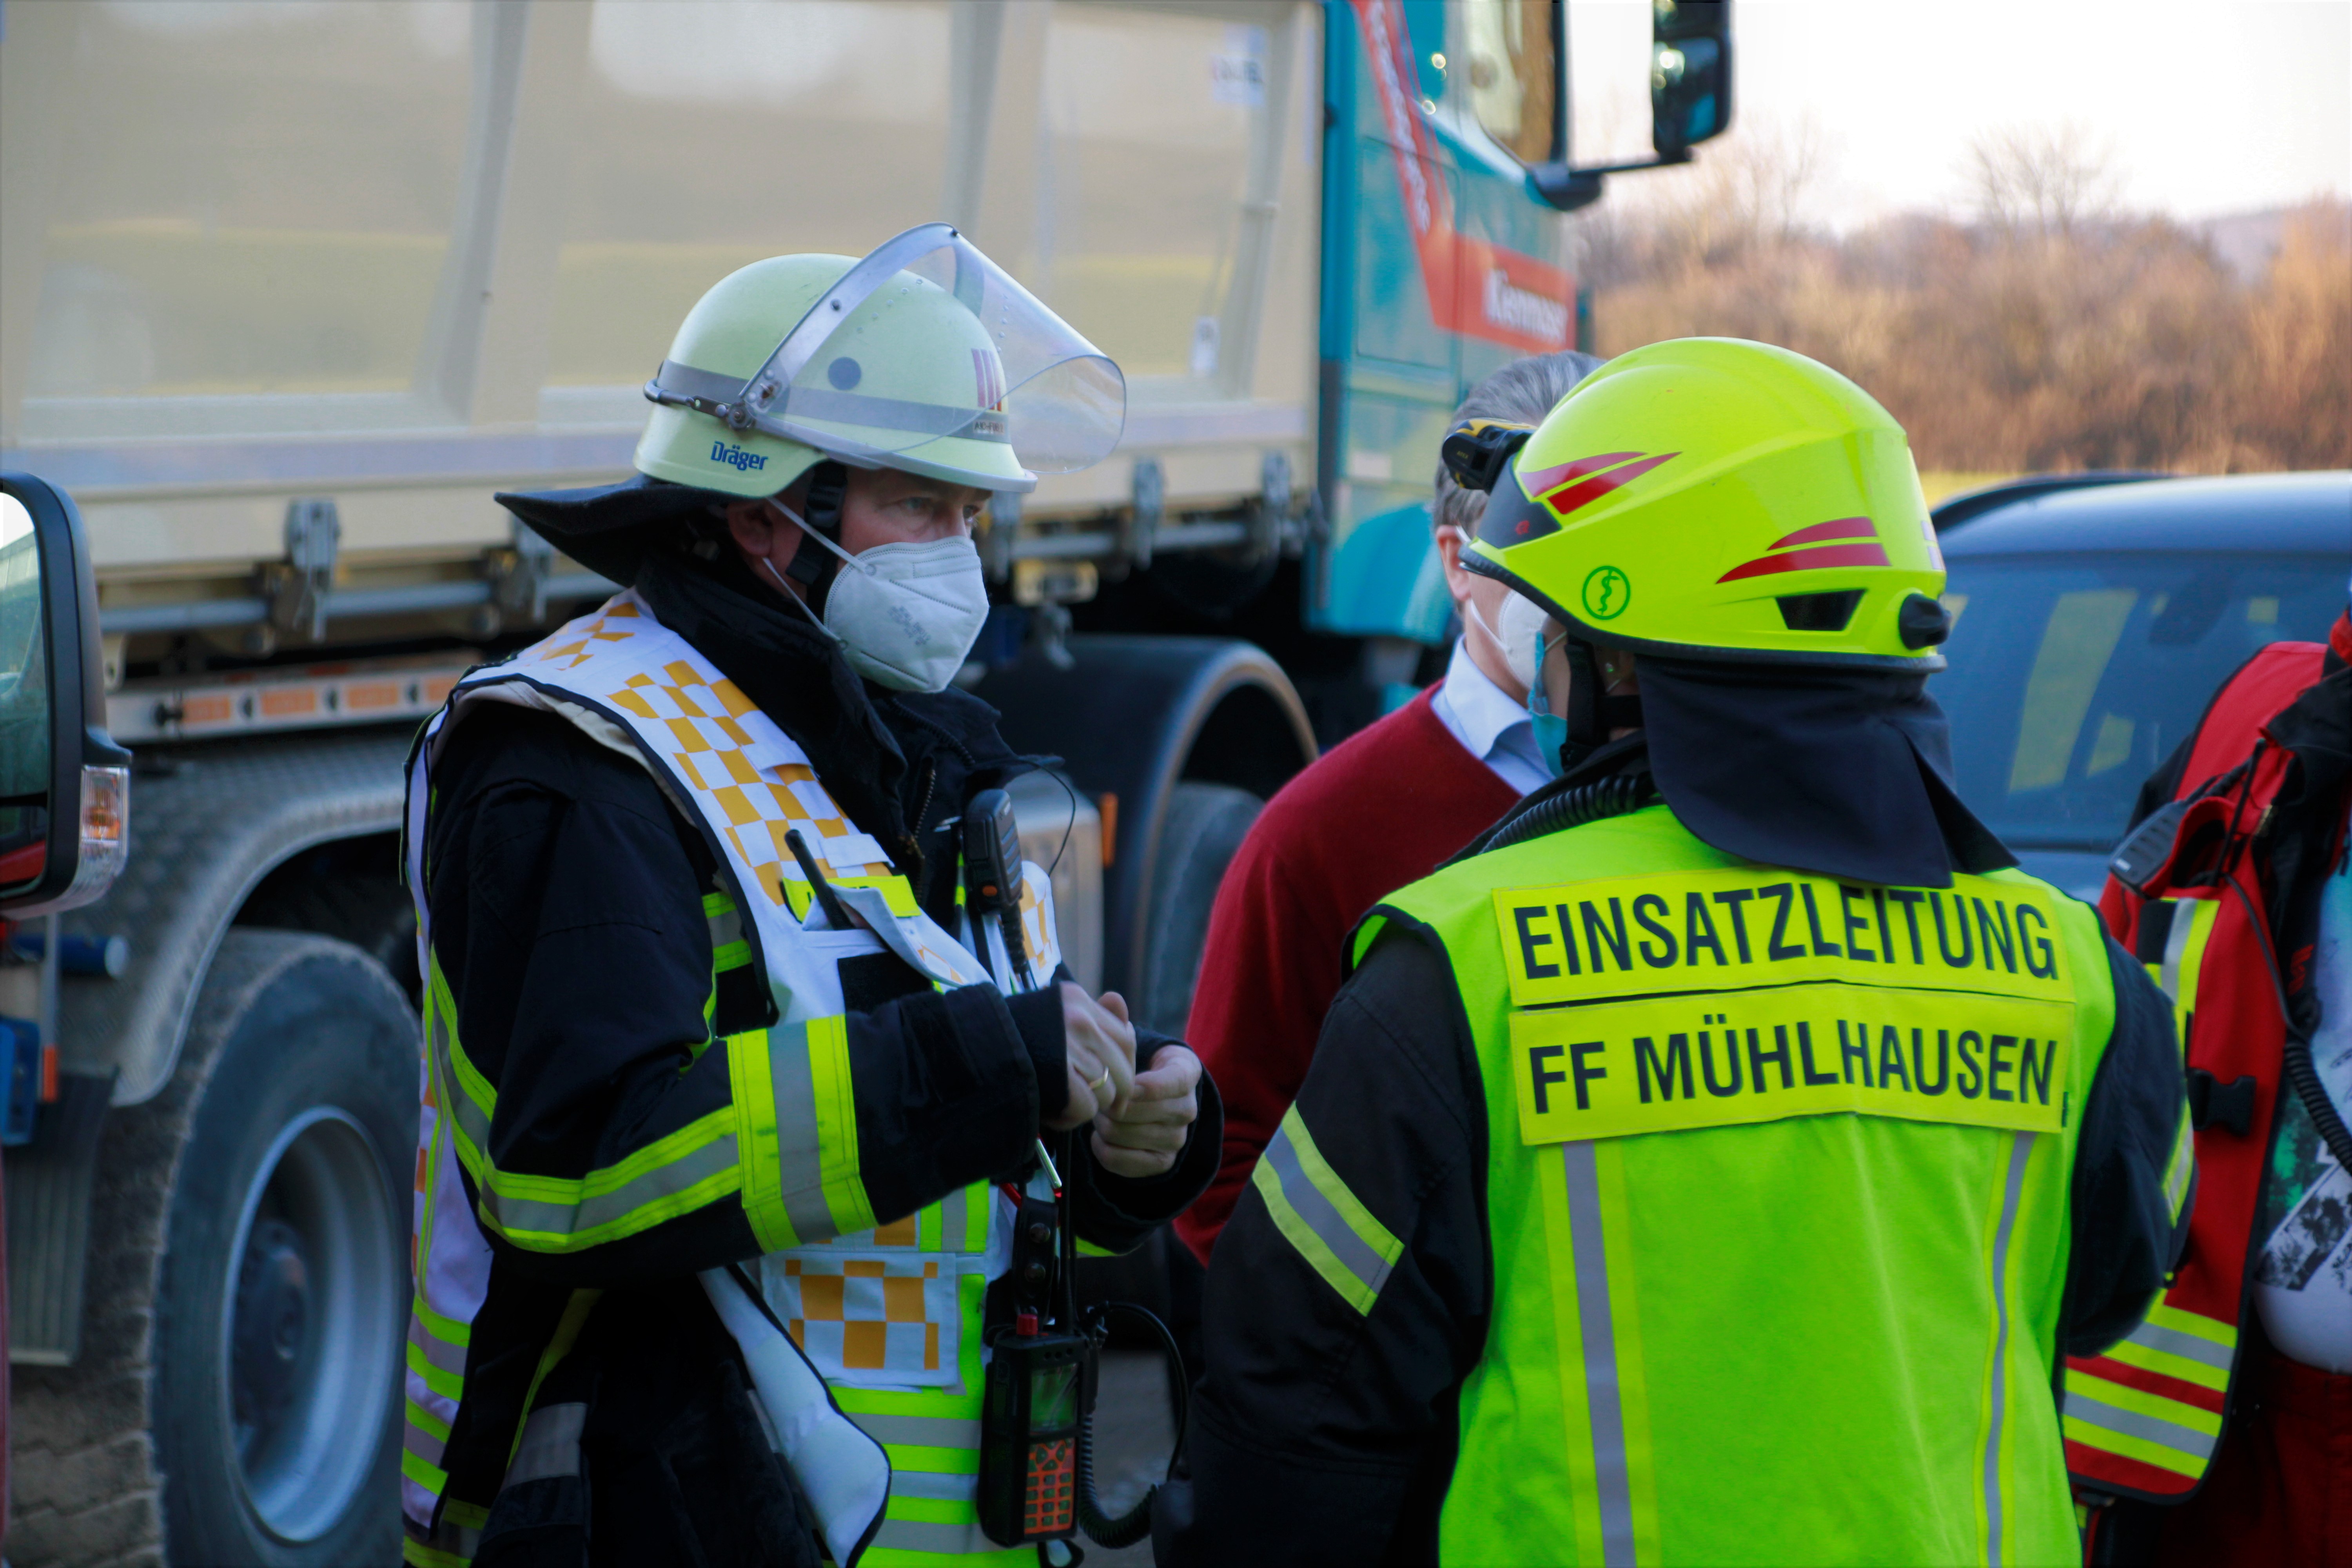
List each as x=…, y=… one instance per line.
x=2202, y=107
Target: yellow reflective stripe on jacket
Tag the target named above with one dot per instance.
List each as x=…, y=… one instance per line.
x=797, y=1115
x=1597, y=1325
x=2165, y=1432
x=1316, y=1212
x=2184, y=957
x=2180, y=1345
x=729, y=949
x=2105, y=1414
x=799, y=1073
x=2001, y=1441
x=559, y=1345
x=932, y=1436
x=432, y=1356
x=2179, y=1170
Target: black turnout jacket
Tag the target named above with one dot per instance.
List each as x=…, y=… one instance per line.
x=1330, y=1437
x=566, y=902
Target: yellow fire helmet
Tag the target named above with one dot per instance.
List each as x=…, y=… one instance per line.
x=1721, y=500
x=923, y=357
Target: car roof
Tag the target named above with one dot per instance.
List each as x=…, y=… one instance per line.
x=2277, y=513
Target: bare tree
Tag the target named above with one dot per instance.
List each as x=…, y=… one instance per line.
x=2041, y=180
x=1752, y=190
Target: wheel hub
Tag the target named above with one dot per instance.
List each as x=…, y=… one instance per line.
x=273, y=1317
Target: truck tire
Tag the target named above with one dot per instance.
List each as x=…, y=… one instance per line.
x=237, y=1399
x=1203, y=826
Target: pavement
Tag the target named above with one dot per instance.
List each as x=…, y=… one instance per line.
x=1134, y=1430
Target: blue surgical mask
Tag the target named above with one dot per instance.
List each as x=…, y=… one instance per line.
x=1551, y=729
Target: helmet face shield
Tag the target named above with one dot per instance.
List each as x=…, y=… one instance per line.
x=926, y=355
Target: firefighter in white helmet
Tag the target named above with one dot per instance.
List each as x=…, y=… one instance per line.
x=741, y=1033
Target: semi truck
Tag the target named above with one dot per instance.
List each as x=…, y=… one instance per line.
x=288, y=289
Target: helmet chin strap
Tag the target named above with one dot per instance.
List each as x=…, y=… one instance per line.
x=820, y=514
x=1592, y=711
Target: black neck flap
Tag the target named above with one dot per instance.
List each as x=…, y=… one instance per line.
x=1841, y=773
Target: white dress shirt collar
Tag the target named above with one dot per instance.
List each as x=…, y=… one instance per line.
x=1490, y=724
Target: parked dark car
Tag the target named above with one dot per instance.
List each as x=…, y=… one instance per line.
x=2096, y=615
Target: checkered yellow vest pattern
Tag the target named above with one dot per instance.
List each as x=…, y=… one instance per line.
x=1807, y=1312
x=889, y=1313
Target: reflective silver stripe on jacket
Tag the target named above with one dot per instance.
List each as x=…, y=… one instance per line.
x=1598, y=1328
x=2021, y=1151
x=550, y=1445
x=800, y=1152
x=918, y=1431
x=438, y=1353
x=2188, y=1347
x=2149, y=1428
x=1323, y=1216
x=554, y=1217
x=923, y=1535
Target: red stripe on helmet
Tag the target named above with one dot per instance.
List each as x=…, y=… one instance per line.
x=1837, y=528
x=1541, y=480
x=1568, y=497
x=1872, y=554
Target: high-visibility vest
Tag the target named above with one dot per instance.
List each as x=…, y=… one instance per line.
x=1777, y=1189
x=2143, y=1420
x=883, y=1313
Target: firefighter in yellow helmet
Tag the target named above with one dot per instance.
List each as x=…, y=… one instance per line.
x=742, y=1025
x=1711, y=1164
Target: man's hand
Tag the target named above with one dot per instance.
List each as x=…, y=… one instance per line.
x=1100, y=1053
x=1142, y=1134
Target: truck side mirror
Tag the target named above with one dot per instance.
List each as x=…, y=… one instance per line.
x=1690, y=75
x=65, y=785
x=1690, y=99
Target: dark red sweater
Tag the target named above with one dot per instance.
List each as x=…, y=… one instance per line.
x=1374, y=813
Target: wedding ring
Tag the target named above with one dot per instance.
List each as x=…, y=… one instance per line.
x=1096, y=1087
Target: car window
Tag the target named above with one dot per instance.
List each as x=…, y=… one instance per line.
x=2074, y=677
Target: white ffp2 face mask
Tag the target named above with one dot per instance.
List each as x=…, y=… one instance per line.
x=904, y=614
x=1520, y=639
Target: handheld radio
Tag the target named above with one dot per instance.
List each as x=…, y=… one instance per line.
x=992, y=862
x=1040, y=1385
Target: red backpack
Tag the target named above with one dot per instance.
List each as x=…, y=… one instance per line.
x=2143, y=1419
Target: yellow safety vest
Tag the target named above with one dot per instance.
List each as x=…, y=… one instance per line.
x=1778, y=1187
x=888, y=1315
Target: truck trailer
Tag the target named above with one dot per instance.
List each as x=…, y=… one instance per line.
x=290, y=288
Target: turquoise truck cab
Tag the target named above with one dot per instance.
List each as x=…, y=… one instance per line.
x=1447, y=253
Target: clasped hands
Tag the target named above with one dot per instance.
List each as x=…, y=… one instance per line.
x=1141, y=1118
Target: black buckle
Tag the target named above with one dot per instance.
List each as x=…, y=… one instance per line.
x=2211, y=1101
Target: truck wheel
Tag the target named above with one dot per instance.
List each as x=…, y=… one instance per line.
x=1202, y=828
x=283, y=1290
x=247, y=1287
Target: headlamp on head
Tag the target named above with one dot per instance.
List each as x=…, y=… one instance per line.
x=1478, y=452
